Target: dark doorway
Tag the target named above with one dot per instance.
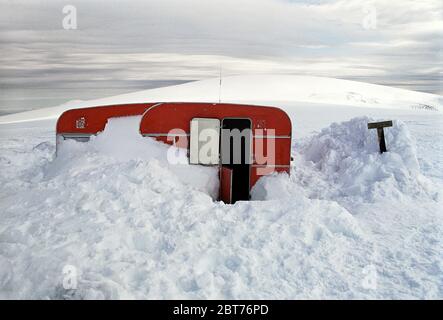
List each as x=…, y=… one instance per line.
x=236, y=137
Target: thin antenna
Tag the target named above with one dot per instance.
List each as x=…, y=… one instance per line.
x=220, y=85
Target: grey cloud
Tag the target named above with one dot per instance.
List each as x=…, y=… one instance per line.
x=128, y=42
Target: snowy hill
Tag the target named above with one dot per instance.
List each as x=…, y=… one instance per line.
x=262, y=89
x=347, y=223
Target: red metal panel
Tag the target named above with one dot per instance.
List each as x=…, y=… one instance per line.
x=95, y=118
x=166, y=116
x=226, y=184
x=282, y=151
x=159, y=118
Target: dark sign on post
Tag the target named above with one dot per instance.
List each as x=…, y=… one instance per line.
x=380, y=133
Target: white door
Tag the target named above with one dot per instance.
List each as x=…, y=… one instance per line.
x=204, y=147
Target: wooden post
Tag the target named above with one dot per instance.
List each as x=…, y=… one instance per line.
x=380, y=133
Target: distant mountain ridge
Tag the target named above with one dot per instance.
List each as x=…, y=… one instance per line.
x=260, y=89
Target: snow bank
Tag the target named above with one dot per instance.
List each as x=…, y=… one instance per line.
x=116, y=212
x=347, y=154
x=343, y=160
x=121, y=142
x=387, y=195
x=131, y=226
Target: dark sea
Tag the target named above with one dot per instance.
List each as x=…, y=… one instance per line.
x=19, y=99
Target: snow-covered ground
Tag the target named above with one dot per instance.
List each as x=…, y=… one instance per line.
x=265, y=89
x=347, y=223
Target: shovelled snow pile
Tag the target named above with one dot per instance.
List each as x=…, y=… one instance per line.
x=343, y=160
x=121, y=143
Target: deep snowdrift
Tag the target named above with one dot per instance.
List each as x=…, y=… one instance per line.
x=343, y=160
x=135, y=227
x=121, y=142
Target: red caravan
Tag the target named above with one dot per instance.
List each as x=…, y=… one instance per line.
x=244, y=141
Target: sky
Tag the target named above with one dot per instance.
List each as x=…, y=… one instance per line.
x=53, y=51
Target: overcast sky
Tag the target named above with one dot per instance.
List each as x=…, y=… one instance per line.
x=119, y=43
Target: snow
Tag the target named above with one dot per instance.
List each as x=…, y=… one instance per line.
x=122, y=143
x=347, y=223
x=347, y=156
x=260, y=89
